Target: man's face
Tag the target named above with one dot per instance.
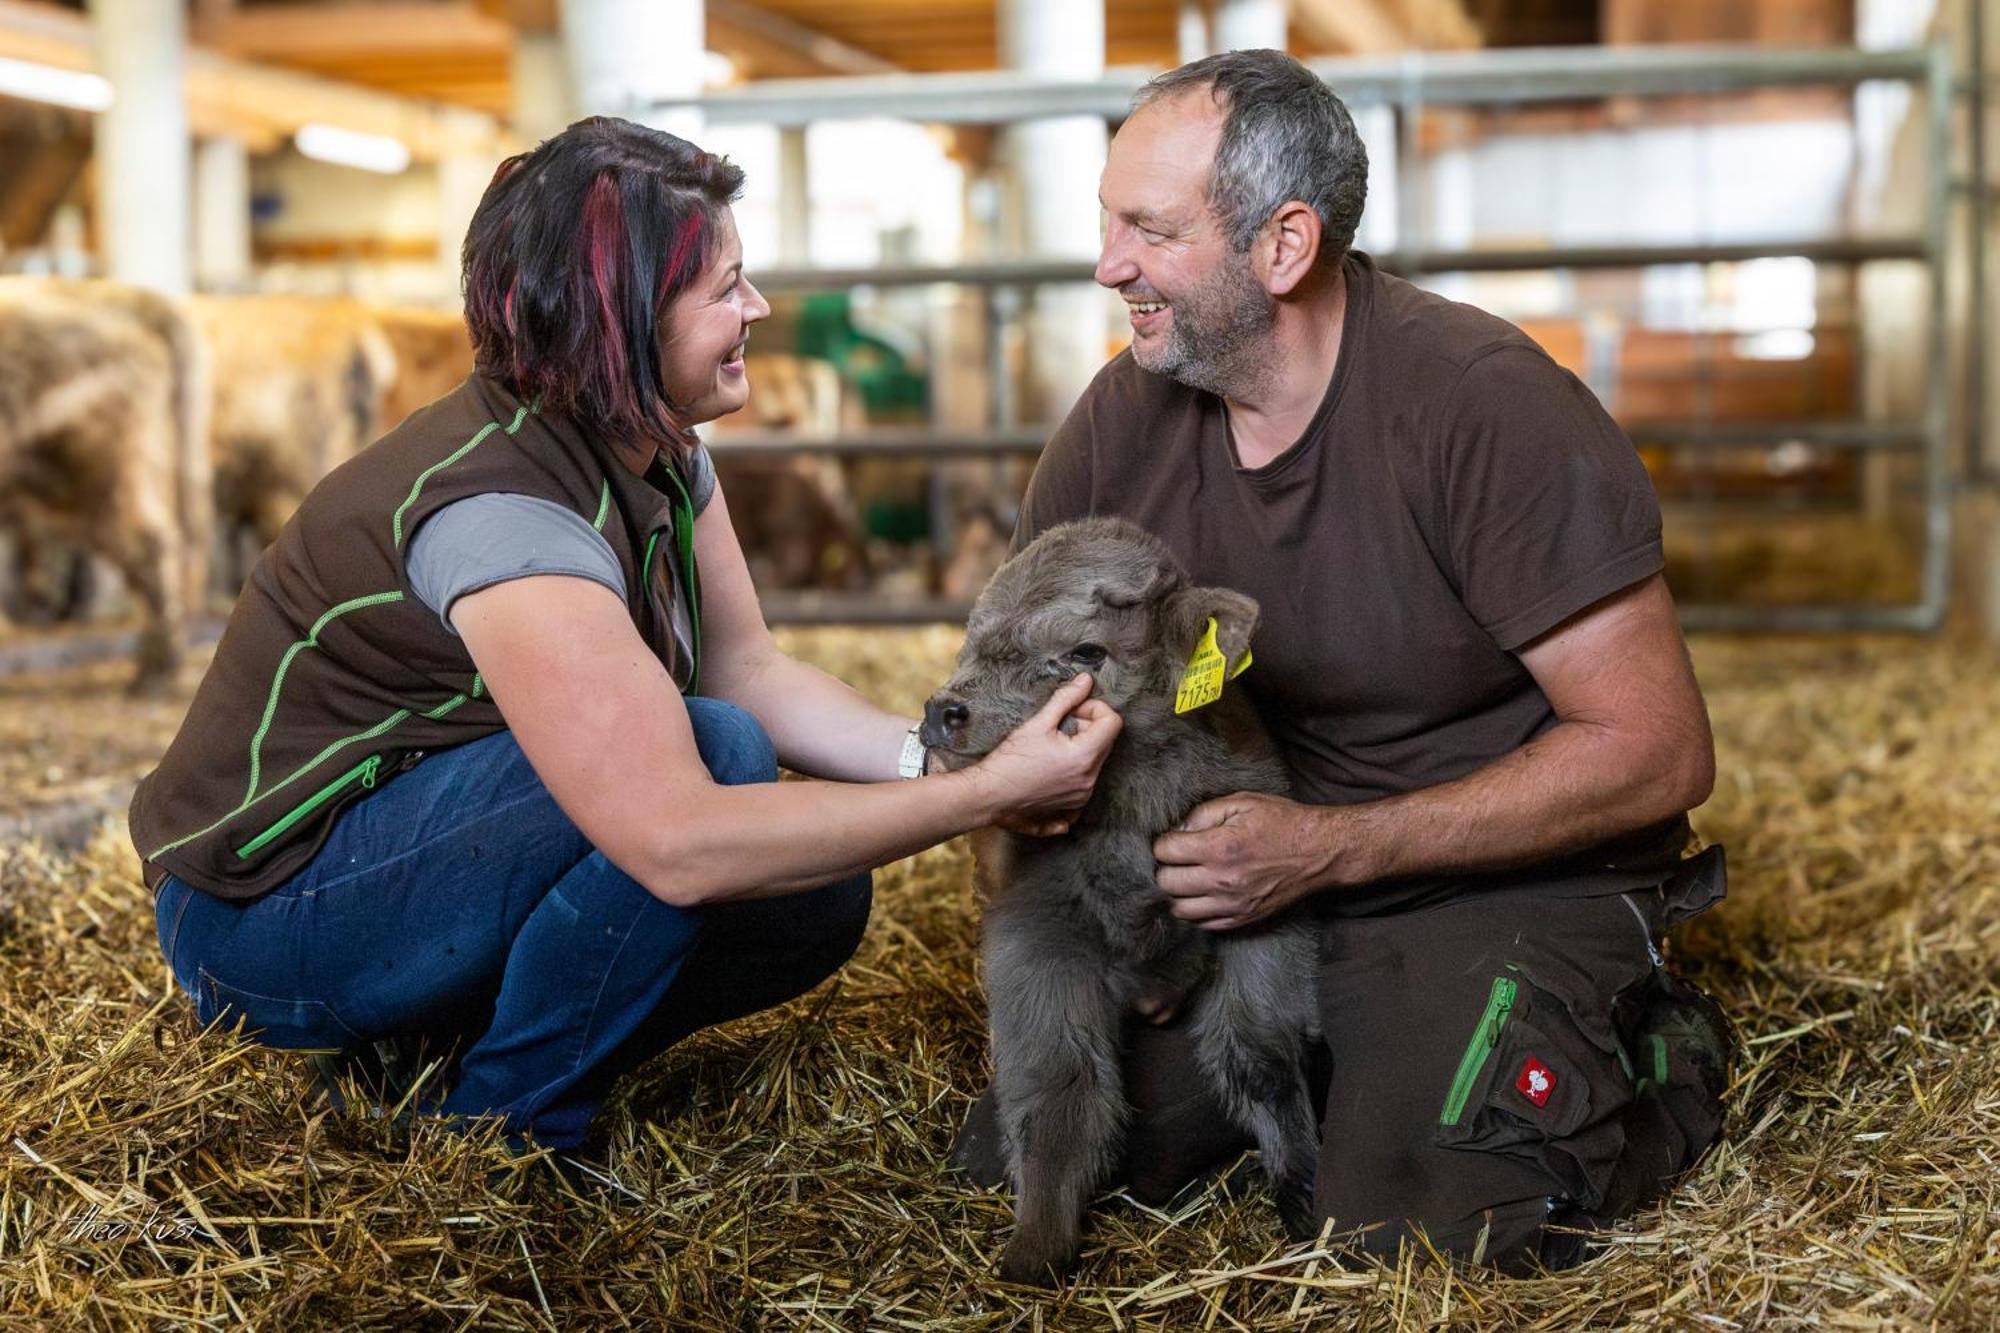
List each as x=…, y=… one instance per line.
x=1199, y=312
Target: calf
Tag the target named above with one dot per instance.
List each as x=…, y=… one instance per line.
x=1077, y=934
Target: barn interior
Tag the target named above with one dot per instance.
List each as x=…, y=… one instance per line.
x=1757, y=230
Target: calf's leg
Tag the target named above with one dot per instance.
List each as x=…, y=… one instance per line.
x=1056, y=1078
x=1249, y=1033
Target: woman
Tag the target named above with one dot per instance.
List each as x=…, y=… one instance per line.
x=488, y=749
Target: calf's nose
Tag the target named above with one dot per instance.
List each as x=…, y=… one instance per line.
x=944, y=718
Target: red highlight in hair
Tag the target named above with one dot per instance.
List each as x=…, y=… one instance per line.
x=601, y=232
x=565, y=284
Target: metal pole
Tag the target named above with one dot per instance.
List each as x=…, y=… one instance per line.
x=1977, y=465
x=1937, y=416
x=1449, y=78
x=1404, y=262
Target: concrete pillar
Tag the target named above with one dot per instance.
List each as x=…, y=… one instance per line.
x=222, y=214
x=624, y=55
x=794, y=198
x=539, y=71
x=1249, y=24
x=1054, y=164
x=462, y=179
x=142, y=142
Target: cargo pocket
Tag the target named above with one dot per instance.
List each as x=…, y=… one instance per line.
x=292, y=1025
x=1533, y=1084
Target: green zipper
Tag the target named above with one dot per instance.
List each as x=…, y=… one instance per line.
x=1499, y=1004
x=365, y=770
x=690, y=572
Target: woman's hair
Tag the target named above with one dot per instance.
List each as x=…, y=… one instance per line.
x=575, y=253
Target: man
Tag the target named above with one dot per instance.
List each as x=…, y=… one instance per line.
x=1469, y=657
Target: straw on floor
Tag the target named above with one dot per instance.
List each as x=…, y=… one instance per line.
x=785, y=1172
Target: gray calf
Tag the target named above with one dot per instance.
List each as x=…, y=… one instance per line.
x=1077, y=934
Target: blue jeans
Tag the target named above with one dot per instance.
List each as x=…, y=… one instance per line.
x=458, y=902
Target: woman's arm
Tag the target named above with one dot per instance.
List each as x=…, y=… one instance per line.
x=606, y=731
x=820, y=726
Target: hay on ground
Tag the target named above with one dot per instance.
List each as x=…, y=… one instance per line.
x=785, y=1171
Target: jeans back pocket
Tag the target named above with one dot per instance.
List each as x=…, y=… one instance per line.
x=292, y=1025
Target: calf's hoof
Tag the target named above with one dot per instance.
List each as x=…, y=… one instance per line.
x=1034, y=1265
x=1295, y=1211
x=979, y=1154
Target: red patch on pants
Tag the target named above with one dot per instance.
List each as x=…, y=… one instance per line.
x=1537, y=1081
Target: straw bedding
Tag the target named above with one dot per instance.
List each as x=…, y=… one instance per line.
x=784, y=1172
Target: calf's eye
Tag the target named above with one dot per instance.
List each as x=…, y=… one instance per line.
x=1087, y=655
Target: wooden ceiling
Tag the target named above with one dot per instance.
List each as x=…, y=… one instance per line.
x=457, y=51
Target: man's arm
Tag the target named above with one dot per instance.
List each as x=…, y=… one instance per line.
x=1631, y=747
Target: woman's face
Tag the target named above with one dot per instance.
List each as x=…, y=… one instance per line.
x=701, y=343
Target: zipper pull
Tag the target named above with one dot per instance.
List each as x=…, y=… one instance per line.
x=368, y=767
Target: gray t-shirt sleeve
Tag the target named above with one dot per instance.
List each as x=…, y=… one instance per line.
x=482, y=540
x=701, y=478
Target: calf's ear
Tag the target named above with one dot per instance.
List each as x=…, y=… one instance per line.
x=1235, y=620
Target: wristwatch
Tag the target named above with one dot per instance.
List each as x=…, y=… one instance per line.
x=915, y=761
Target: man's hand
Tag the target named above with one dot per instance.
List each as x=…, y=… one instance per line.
x=1242, y=858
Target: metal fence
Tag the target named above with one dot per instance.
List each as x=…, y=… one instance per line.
x=1411, y=83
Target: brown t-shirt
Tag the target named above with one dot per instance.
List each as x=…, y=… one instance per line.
x=1456, y=495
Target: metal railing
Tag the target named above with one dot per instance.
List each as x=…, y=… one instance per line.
x=1411, y=83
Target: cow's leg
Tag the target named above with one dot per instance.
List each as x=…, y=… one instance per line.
x=1057, y=1081
x=1249, y=1033
x=144, y=557
x=142, y=538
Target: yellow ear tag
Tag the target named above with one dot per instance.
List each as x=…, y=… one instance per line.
x=1201, y=683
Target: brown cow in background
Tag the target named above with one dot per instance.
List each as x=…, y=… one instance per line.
x=102, y=393
x=433, y=353
x=299, y=389
x=794, y=515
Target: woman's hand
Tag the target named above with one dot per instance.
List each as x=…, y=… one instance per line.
x=1041, y=776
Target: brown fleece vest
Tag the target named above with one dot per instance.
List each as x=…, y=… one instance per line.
x=332, y=676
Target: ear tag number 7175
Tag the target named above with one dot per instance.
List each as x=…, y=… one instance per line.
x=1201, y=682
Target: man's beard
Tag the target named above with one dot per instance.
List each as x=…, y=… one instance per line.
x=1219, y=337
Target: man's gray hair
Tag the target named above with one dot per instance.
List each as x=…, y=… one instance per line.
x=1285, y=136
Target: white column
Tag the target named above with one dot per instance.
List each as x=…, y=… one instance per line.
x=1054, y=164
x=222, y=214
x=462, y=178
x=538, y=69
x=142, y=142
x=625, y=55
x=1249, y=24
x=1191, y=31
x=794, y=198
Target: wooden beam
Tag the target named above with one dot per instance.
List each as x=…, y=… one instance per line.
x=356, y=30
x=1440, y=25
x=1381, y=27
x=260, y=104
x=733, y=19
x=1359, y=27
x=42, y=171
x=537, y=16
